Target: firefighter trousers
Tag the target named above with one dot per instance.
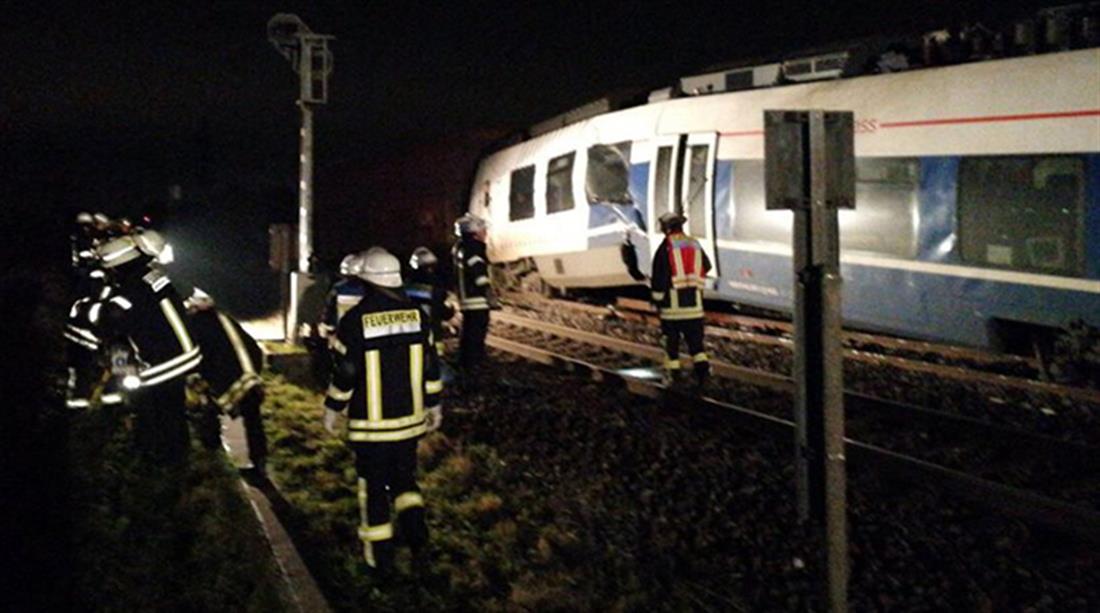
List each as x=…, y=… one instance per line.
x=692, y=332
x=387, y=482
x=249, y=407
x=210, y=426
x=160, y=423
x=475, y=325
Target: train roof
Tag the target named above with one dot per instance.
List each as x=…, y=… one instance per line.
x=1051, y=30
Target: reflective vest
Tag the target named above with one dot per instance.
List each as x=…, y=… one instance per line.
x=680, y=269
x=386, y=370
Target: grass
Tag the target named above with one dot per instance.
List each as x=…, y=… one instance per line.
x=487, y=553
x=150, y=538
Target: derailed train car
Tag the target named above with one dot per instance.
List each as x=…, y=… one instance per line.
x=978, y=195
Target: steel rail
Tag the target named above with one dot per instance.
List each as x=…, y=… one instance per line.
x=945, y=371
x=1047, y=512
x=1079, y=455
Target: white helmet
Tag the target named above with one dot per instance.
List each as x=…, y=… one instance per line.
x=469, y=224
x=150, y=242
x=198, y=301
x=118, y=251
x=422, y=257
x=347, y=265
x=380, y=267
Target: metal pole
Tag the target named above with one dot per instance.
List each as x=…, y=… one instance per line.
x=311, y=59
x=305, y=190
x=819, y=368
x=811, y=170
x=299, y=279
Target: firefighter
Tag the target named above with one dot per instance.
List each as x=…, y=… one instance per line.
x=474, y=288
x=425, y=288
x=145, y=314
x=679, y=272
x=85, y=348
x=344, y=294
x=387, y=375
x=231, y=383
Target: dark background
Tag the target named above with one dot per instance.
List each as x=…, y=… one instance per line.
x=106, y=107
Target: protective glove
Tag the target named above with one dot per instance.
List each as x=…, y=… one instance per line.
x=331, y=420
x=434, y=418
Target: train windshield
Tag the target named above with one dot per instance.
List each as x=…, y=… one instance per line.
x=607, y=179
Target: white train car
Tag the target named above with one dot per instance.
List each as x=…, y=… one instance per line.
x=977, y=212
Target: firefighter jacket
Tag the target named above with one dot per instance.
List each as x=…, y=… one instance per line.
x=86, y=346
x=386, y=370
x=146, y=312
x=472, y=274
x=427, y=293
x=82, y=326
x=679, y=273
x=231, y=358
x=344, y=294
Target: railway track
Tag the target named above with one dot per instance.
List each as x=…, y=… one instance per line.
x=947, y=362
x=1033, y=477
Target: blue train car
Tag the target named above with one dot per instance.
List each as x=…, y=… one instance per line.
x=977, y=211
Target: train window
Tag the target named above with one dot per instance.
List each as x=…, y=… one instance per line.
x=521, y=194
x=1023, y=213
x=697, y=191
x=883, y=221
x=751, y=220
x=607, y=179
x=660, y=184
x=559, y=184
x=887, y=205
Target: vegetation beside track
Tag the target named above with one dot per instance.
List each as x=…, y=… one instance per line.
x=152, y=538
x=88, y=525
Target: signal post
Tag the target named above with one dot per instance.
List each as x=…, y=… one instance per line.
x=810, y=169
x=311, y=58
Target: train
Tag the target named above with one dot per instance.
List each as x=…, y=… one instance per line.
x=977, y=217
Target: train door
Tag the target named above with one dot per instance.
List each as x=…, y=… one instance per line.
x=663, y=188
x=697, y=192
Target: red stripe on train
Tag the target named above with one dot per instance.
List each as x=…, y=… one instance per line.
x=957, y=120
x=990, y=118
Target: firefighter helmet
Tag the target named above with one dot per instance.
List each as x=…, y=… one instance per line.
x=380, y=267
x=198, y=301
x=422, y=257
x=469, y=224
x=347, y=265
x=118, y=251
x=150, y=242
x=671, y=219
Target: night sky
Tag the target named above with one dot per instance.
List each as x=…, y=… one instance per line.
x=162, y=76
x=105, y=105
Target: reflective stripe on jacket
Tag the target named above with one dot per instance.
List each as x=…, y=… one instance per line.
x=148, y=313
x=472, y=274
x=231, y=360
x=387, y=371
